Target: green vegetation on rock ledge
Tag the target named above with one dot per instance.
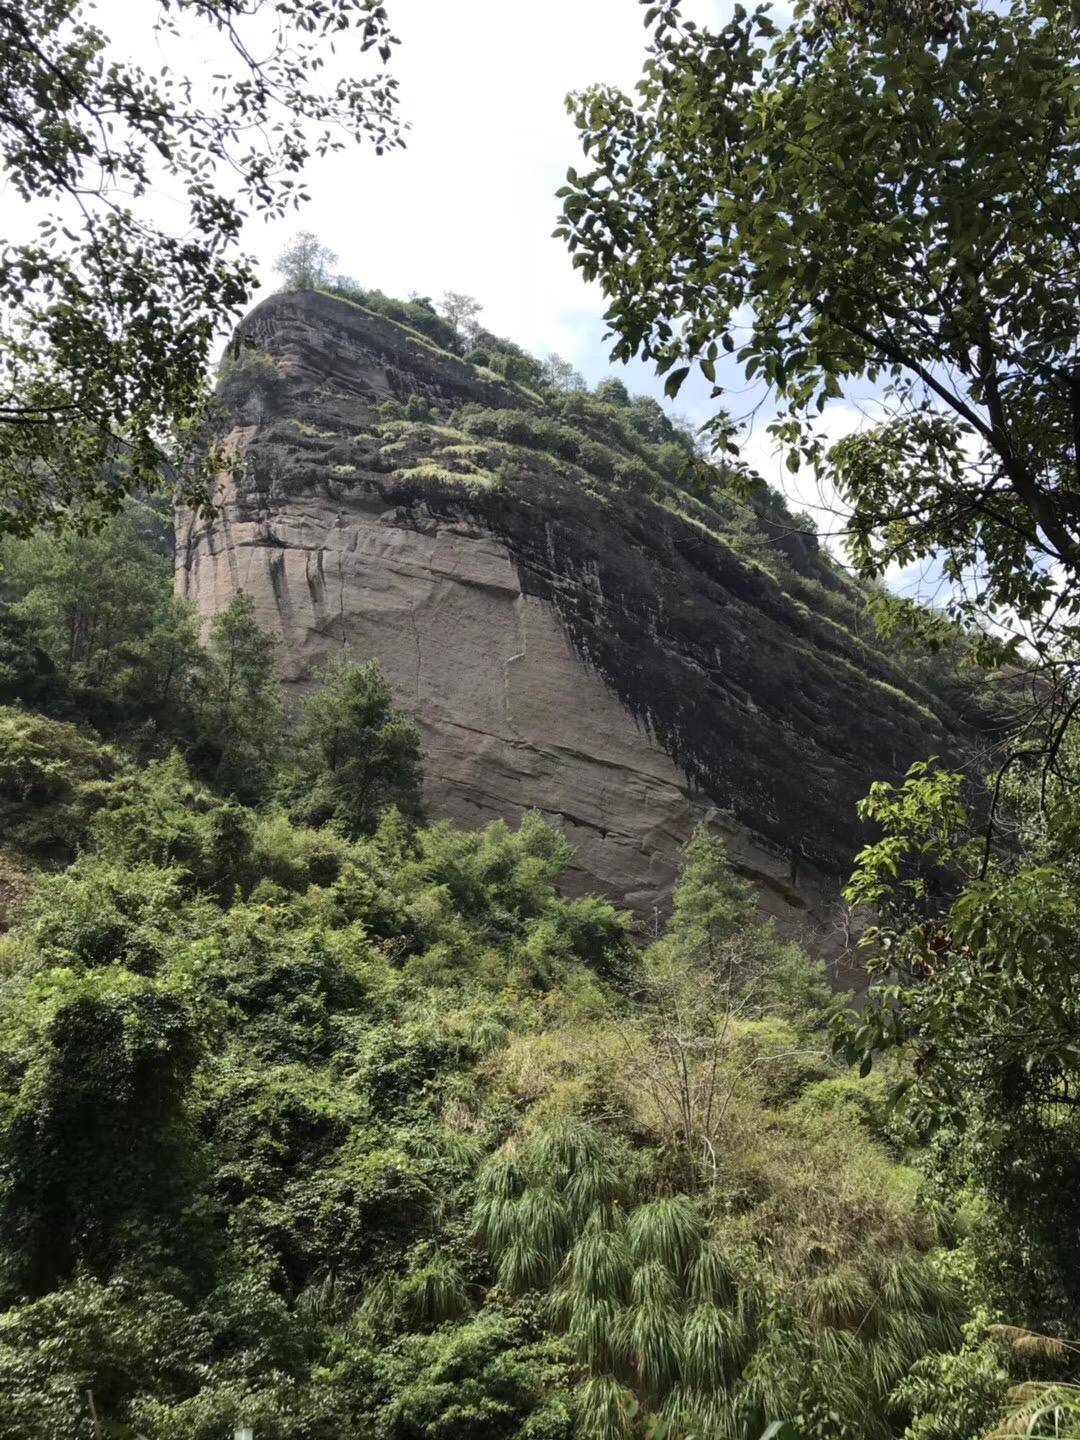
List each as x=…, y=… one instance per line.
x=108, y=313
x=542, y=438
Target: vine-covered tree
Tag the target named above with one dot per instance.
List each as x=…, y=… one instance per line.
x=108, y=311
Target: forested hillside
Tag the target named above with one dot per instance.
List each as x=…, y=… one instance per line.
x=320, y=1117
x=352, y=1130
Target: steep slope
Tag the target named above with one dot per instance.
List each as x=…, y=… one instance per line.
x=571, y=630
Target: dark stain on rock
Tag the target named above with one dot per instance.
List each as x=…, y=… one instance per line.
x=773, y=713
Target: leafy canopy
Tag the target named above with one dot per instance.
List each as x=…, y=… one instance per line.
x=973, y=956
x=373, y=1137
x=91, y=630
x=305, y=262
x=870, y=193
x=108, y=315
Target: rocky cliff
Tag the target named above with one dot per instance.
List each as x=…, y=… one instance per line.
x=572, y=630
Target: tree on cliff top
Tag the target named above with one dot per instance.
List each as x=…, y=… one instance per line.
x=305, y=262
x=108, y=315
x=880, y=193
x=461, y=312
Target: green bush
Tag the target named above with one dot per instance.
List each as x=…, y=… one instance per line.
x=354, y=753
x=93, y=1122
x=50, y=783
x=418, y=407
x=249, y=374
x=98, y=913
x=635, y=476
x=612, y=391
x=488, y=1379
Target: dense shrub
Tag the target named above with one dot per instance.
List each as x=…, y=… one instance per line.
x=612, y=391
x=49, y=783
x=354, y=754
x=417, y=314
x=381, y=1136
x=249, y=377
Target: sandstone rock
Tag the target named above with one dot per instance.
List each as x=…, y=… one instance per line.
x=602, y=659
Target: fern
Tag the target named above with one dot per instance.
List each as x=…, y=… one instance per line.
x=842, y=1297
x=712, y=1276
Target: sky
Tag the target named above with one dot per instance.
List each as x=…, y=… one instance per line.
x=470, y=204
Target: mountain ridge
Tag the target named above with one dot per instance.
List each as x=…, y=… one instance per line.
x=551, y=626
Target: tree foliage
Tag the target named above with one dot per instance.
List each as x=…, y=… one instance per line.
x=94, y=632
x=241, y=730
x=974, y=958
x=460, y=313
x=75, y=599
x=349, y=1136
x=354, y=753
x=559, y=374
x=305, y=263
x=109, y=314
x=887, y=194
x=868, y=193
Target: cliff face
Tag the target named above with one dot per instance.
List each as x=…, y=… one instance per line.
x=606, y=658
